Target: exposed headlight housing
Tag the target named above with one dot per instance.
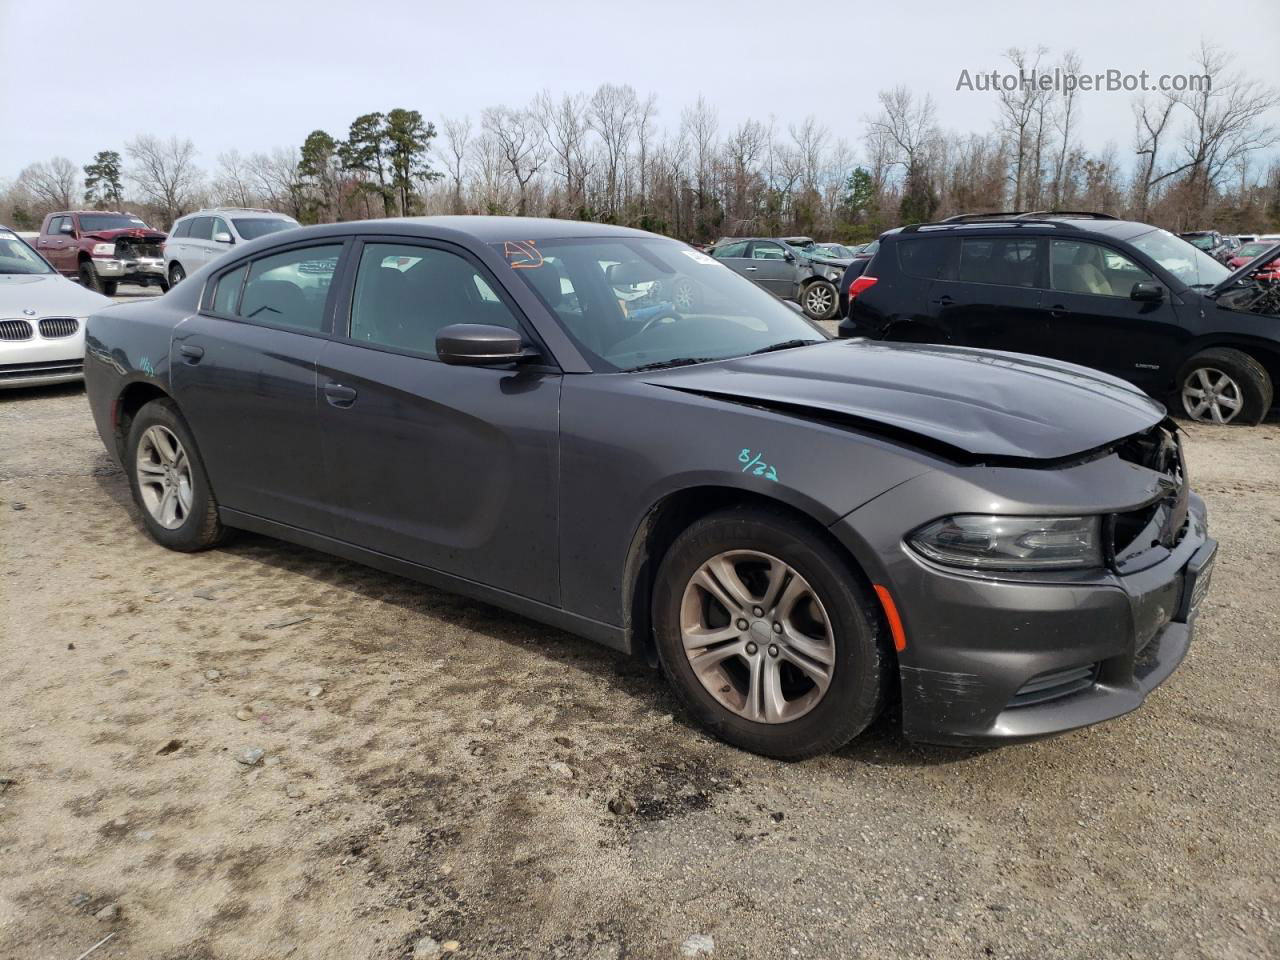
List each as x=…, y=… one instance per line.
x=983, y=542
x=104, y=249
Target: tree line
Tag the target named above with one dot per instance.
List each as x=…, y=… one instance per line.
x=1196, y=159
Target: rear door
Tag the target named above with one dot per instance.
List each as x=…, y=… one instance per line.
x=55, y=245
x=450, y=467
x=197, y=246
x=989, y=296
x=244, y=374
x=734, y=256
x=1093, y=320
x=771, y=269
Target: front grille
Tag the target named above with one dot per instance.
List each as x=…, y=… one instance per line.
x=15, y=330
x=52, y=328
x=1055, y=685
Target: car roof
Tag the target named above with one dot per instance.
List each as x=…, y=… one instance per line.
x=983, y=225
x=241, y=212
x=496, y=229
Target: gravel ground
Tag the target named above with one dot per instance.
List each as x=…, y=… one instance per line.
x=435, y=768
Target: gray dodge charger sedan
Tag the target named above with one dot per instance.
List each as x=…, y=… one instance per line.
x=611, y=432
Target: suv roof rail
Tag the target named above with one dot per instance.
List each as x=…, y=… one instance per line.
x=967, y=217
x=1078, y=214
x=229, y=210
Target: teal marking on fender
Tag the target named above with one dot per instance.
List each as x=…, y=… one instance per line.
x=757, y=466
x=145, y=366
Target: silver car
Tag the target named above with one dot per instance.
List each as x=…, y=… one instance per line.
x=202, y=237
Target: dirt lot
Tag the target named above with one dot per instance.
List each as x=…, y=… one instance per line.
x=435, y=767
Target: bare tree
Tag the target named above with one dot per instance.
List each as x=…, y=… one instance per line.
x=231, y=181
x=1151, y=120
x=276, y=178
x=645, y=116
x=165, y=174
x=52, y=184
x=1068, y=113
x=612, y=113
x=564, y=128
x=1021, y=121
x=457, y=140
x=518, y=139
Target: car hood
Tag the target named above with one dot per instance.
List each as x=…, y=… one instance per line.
x=974, y=405
x=135, y=233
x=833, y=261
x=26, y=296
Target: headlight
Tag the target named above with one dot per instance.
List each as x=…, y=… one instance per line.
x=104, y=249
x=1011, y=543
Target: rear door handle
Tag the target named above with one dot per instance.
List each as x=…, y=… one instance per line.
x=339, y=395
x=192, y=352
x=943, y=301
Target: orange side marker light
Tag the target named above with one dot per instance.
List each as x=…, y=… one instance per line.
x=891, y=614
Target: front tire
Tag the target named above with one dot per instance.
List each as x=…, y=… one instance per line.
x=89, y=278
x=176, y=274
x=109, y=287
x=1224, y=386
x=808, y=672
x=169, y=482
x=820, y=300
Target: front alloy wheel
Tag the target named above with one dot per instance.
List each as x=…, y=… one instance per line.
x=757, y=636
x=164, y=477
x=1211, y=396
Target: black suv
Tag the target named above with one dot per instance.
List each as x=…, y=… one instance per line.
x=1126, y=298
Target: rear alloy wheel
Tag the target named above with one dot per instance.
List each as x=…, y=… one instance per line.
x=176, y=274
x=767, y=635
x=1225, y=386
x=820, y=300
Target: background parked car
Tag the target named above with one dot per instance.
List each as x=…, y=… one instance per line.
x=42, y=318
x=861, y=257
x=1249, y=251
x=1125, y=298
x=202, y=237
x=792, y=273
x=102, y=249
x=1211, y=242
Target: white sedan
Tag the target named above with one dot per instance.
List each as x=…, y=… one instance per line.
x=42, y=317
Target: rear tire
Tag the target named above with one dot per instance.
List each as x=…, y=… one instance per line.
x=109, y=287
x=820, y=300
x=169, y=482
x=89, y=278
x=804, y=716
x=176, y=274
x=1224, y=386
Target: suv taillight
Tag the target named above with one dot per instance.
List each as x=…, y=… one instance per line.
x=861, y=284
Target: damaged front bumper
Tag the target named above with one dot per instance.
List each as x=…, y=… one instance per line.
x=140, y=268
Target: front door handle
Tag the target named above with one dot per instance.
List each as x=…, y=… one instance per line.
x=339, y=395
x=1057, y=311
x=750, y=269
x=192, y=352
x=943, y=301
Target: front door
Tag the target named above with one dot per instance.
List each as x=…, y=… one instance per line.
x=244, y=374
x=990, y=297
x=450, y=467
x=772, y=270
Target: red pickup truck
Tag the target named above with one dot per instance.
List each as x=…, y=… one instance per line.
x=102, y=249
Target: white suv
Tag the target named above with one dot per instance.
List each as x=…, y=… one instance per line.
x=204, y=236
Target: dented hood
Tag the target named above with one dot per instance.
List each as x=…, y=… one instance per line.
x=983, y=404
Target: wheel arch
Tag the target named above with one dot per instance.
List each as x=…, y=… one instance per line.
x=674, y=513
x=132, y=398
x=1265, y=352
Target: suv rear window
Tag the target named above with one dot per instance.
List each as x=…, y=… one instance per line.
x=920, y=257
x=1007, y=261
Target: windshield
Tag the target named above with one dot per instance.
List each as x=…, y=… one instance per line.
x=645, y=302
x=93, y=222
x=1201, y=243
x=1186, y=262
x=251, y=228
x=1253, y=249
x=833, y=250
x=17, y=257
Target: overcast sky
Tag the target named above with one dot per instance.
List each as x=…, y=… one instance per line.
x=86, y=76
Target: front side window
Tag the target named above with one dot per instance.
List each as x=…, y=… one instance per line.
x=1079, y=267
x=55, y=225
x=202, y=228
x=219, y=226
x=1188, y=264
x=643, y=302
x=406, y=294
x=251, y=228
x=1005, y=261
x=181, y=229
x=768, y=251
x=290, y=289
x=93, y=222
x=731, y=251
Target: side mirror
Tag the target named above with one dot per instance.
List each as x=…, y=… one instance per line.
x=789, y=257
x=67, y=228
x=1147, y=292
x=479, y=345
x=222, y=237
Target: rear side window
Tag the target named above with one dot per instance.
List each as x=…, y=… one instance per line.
x=202, y=228
x=183, y=229
x=767, y=251
x=731, y=250
x=405, y=295
x=290, y=289
x=919, y=257
x=1000, y=260
x=227, y=293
